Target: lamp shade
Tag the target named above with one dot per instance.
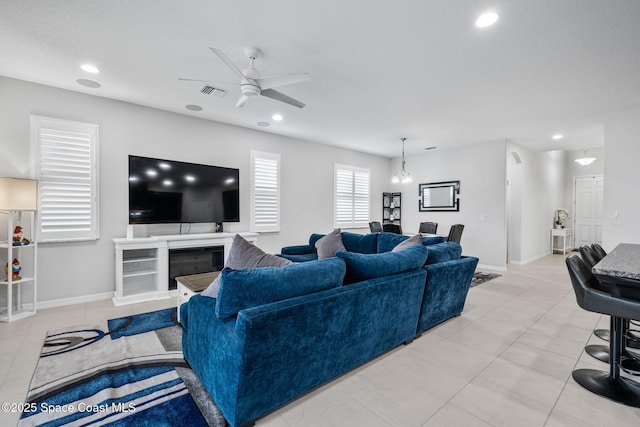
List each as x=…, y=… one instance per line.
x=18, y=194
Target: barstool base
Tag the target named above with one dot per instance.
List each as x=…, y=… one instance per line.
x=603, y=334
x=619, y=390
x=600, y=352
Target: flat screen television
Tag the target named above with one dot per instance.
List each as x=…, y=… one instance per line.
x=168, y=191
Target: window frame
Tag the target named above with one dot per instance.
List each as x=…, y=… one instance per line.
x=353, y=223
x=254, y=192
x=91, y=131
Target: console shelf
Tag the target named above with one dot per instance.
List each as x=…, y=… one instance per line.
x=143, y=268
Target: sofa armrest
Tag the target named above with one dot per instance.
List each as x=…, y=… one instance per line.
x=446, y=291
x=297, y=250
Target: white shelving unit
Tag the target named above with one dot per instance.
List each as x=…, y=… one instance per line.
x=142, y=263
x=137, y=273
x=20, y=295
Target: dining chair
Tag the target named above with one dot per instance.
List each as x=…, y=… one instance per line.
x=455, y=233
x=428, y=227
x=375, y=227
x=392, y=228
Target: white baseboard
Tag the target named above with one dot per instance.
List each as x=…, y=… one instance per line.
x=528, y=260
x=490, y=267
x=74, y=300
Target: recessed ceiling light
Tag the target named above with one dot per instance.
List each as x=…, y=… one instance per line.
x=430, y=148
x=163, y=165
x=190, y=178
x=151, y=172
x=133, y=178
x=486, y=19
x=193, y=107
x=557, y=136
x=88, y=83
x=90, y=68
x=264, y=124
x=167, y=183
x=229, y=181
x=277, y=117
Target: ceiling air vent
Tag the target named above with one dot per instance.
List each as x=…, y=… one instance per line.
x=210, y=90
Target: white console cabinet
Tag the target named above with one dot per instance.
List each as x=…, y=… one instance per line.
x=142, y=264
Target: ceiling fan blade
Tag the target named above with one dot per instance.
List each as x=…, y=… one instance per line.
x=279, y=96
x=275, y=81
x=228, y=62
x=194, y=80
x=241, y=101
x=217, y=82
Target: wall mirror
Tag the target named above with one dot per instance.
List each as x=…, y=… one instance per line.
x=439, y=196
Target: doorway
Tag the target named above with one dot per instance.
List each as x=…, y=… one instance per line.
x=587, y=209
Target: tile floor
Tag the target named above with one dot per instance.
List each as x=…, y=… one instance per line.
x=506, y=361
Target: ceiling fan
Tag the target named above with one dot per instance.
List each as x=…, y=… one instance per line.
x=252, y=85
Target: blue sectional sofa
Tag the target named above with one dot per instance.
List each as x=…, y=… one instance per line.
x=449, y=273
x=362, y=243
x=273, y=334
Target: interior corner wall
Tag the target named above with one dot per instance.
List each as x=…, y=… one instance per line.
x=73, y=270
x=621, y=204
x=538, y=183
x=481, y=172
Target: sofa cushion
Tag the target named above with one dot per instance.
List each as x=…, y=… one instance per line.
x=388, y=241
x=411, y=241
x=442, y=252
x=300, y=257
x=313, y=239
x=243, y=255
x=327, y=246
x=361, y=243
x=367, y=266
x=433, y=240
x=241, y=289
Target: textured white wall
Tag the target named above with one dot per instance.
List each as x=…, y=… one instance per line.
x=621, y=179
x=68, y=270
x=537, y=191
x=480, y=168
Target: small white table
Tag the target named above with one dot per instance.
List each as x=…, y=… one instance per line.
x=193, y=284
x=565, y=234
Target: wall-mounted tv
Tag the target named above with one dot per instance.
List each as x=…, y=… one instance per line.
x=168, y=191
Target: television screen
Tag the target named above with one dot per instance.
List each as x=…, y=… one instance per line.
x=167, y=191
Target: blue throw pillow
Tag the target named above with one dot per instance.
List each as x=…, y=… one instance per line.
x=442, y=252
x=242, y=289
x=367, y=266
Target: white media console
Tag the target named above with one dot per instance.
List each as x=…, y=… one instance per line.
x=144, y=269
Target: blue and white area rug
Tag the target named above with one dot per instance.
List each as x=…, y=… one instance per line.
x=124, y=372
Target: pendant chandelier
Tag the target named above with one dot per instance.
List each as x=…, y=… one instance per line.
x=403, y=176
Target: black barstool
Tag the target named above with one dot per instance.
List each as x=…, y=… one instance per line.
x=591, y=258
x=606, y=384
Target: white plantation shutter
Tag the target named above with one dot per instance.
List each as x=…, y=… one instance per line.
x=68, y=173
x=265, y=192
x=351, y=197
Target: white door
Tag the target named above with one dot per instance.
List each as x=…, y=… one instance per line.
x=588, y=196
